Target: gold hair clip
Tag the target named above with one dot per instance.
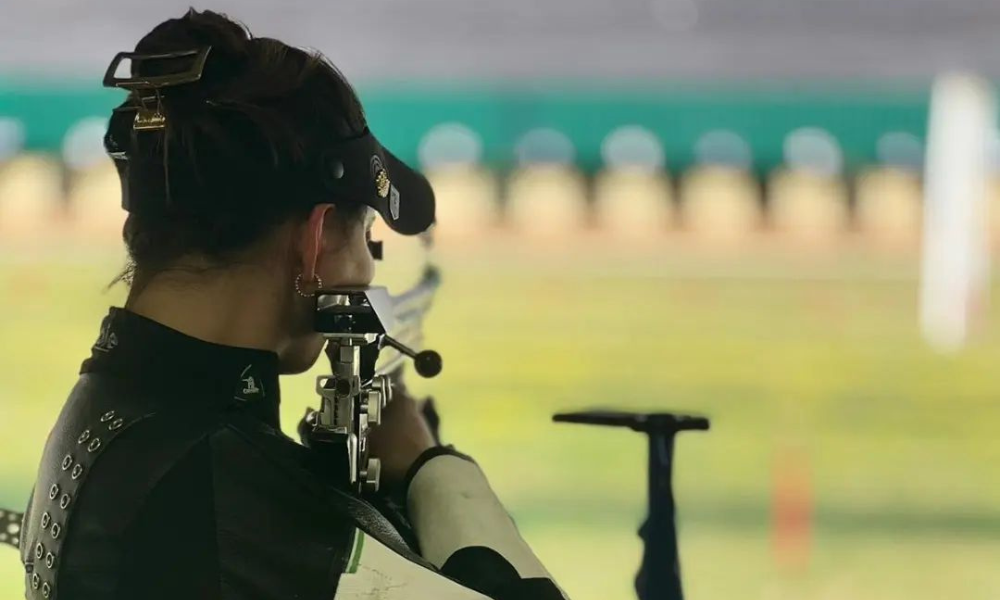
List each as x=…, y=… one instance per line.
x=149, y=112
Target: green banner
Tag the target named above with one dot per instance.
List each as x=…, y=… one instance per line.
x=402, y=115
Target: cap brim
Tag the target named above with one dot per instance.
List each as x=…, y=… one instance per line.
x=408, y=208
x=363, y=170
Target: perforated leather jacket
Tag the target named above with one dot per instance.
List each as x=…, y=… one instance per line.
x=167, y=476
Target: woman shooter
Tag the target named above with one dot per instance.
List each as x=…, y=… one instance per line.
x=251, y=181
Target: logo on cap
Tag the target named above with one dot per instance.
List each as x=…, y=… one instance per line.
x=394, y=203
x=382, y=183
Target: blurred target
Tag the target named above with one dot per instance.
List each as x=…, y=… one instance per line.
x=889, y=211
x=546, y=195
x=901, y=150
x=808, y=199
x=30, y=196
x=83, y=144
x=634, y=148
x=12, y=137
x=94, y=189
x=813, y=150
x=720, y=198
x=632, y=194
x=724, y=148
x=466, y=192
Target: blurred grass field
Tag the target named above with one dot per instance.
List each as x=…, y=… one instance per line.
x=815, y=356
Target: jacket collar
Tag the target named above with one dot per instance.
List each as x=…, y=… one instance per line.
x=177, y=366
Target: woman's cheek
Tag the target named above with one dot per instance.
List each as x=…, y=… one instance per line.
x=365, y=269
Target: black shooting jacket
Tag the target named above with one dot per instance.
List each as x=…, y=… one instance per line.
x=167, y=476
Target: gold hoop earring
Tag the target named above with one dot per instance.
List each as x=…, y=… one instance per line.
x=298, y=285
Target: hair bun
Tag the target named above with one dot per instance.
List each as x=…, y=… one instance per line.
x=232, y=48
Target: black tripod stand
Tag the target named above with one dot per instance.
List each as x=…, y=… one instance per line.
x=659, y=576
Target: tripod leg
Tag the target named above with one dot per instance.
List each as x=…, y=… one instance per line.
x=659, y=577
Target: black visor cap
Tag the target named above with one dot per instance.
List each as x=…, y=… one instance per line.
x=361, y=170
x=357, y=169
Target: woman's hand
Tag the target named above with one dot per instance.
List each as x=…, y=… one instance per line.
x=402, y=436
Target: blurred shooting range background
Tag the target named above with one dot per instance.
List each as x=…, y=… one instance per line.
x=777, y=213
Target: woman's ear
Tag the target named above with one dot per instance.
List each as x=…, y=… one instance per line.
x=313, y=239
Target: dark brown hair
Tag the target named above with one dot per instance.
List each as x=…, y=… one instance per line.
x=243, y=133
